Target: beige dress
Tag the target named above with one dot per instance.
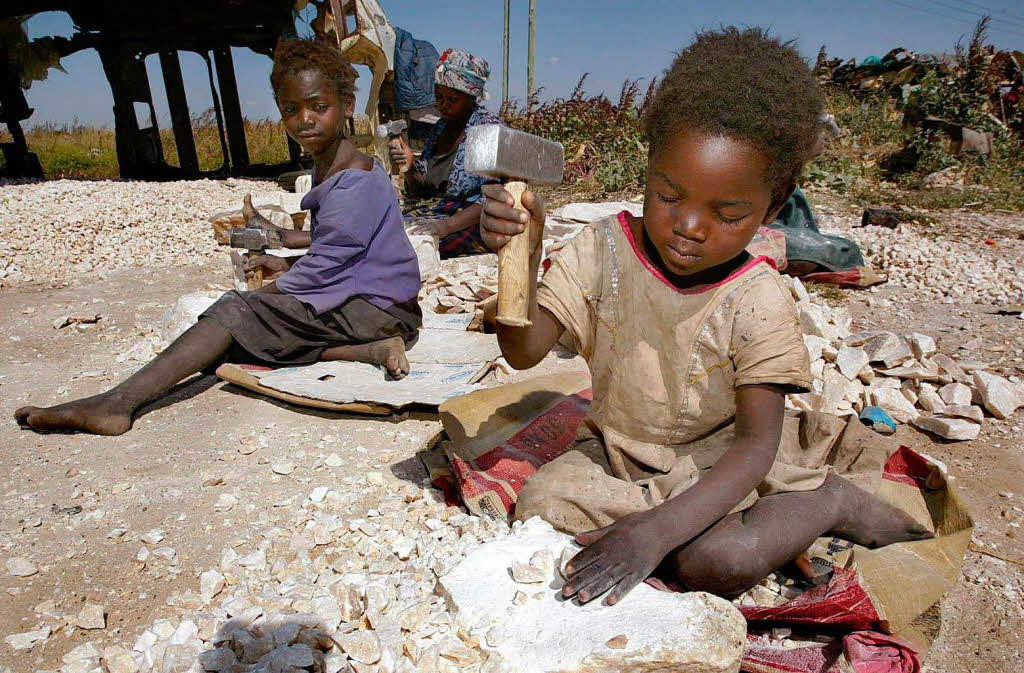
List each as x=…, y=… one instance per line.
x=665, y=365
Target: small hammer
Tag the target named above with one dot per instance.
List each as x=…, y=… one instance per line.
x=255, y=240
x=391, y=130
x=496, y=151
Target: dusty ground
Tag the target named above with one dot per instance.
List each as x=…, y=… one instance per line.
x=156, y=475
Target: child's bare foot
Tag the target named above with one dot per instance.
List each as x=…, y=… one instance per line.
x=99, y=415
x=391, y=354
x=867, y=520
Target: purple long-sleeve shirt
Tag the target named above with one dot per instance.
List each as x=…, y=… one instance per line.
x=359, y=246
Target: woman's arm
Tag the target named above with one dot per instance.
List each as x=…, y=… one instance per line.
x=632, y=547
x=401, y=155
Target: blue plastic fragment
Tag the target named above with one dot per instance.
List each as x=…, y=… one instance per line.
x=878, y=419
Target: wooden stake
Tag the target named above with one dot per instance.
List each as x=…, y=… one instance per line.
x=514, y=280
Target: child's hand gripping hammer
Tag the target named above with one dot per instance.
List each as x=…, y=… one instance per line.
x=496, y=151
x=255, y=240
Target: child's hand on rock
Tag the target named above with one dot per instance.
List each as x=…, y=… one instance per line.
x=273, y=266
x=616, y=557
x=499, y=221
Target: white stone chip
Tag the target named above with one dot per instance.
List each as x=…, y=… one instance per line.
x=28, y=639
x=211, y=583
x=361, y=646
x=91, y=616
x=21, y=567
x=283, y=468
x=154, y=536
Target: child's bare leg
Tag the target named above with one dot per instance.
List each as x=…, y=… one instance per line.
x=388, y=352
x=744, y=548
x=110, y=413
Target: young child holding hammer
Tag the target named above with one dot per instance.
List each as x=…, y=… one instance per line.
x=686, y=455
x=351, y=297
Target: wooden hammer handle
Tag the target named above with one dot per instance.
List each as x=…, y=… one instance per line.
x=514, y=281
x=255, y=278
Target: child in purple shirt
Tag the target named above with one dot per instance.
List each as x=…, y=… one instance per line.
x=351, y=297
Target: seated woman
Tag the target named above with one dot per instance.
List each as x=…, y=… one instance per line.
x=351, y=297
x=450, y=208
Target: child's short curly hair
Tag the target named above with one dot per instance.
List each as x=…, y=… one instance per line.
x=295, y=55
x=745, y=85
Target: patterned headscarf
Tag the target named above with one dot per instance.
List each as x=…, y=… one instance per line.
x=460, y=70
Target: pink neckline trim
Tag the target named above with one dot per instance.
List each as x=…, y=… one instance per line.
x=660, y=276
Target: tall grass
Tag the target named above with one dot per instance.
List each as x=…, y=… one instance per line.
x=78, y=151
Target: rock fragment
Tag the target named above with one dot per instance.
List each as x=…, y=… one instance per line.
x=956, y=429
x=211, y=583
x=999, y=396
x=544, y=634
x=119, y=660
x=922, y=345
x=851, y=360
x=956, y=394
x=361, y=646
x=91, y=616
x=28, y=639
x=21, y=567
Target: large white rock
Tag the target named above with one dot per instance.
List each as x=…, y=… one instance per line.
x=184, y=313
x=928, y=398
x=889, y=349
x=956, y=394
x=694, y=632
x=851, y=360
x=922, y=345
x=894, y=401
x=951, y=428
x=999, y=396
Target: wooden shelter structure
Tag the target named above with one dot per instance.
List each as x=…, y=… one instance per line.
x=124, y=33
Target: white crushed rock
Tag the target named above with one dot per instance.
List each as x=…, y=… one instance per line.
x=332, y=592
x=940, y=268
x=52, y=231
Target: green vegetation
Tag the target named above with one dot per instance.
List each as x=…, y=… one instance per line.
x=88, y=152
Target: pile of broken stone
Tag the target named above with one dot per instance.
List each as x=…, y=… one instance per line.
x=902, y=374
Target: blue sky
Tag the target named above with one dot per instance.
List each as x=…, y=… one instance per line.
x=611, y=39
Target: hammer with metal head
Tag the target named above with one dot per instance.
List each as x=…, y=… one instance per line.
x=255, y=240
x=496, y=151
x=391, y=130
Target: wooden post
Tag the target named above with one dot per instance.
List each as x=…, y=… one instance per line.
x=529, y=52
x=504, y=74
x=176, y=100
x=232, y=109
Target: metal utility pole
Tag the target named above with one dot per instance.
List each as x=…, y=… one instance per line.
x=529, y=52
x=504, y=74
